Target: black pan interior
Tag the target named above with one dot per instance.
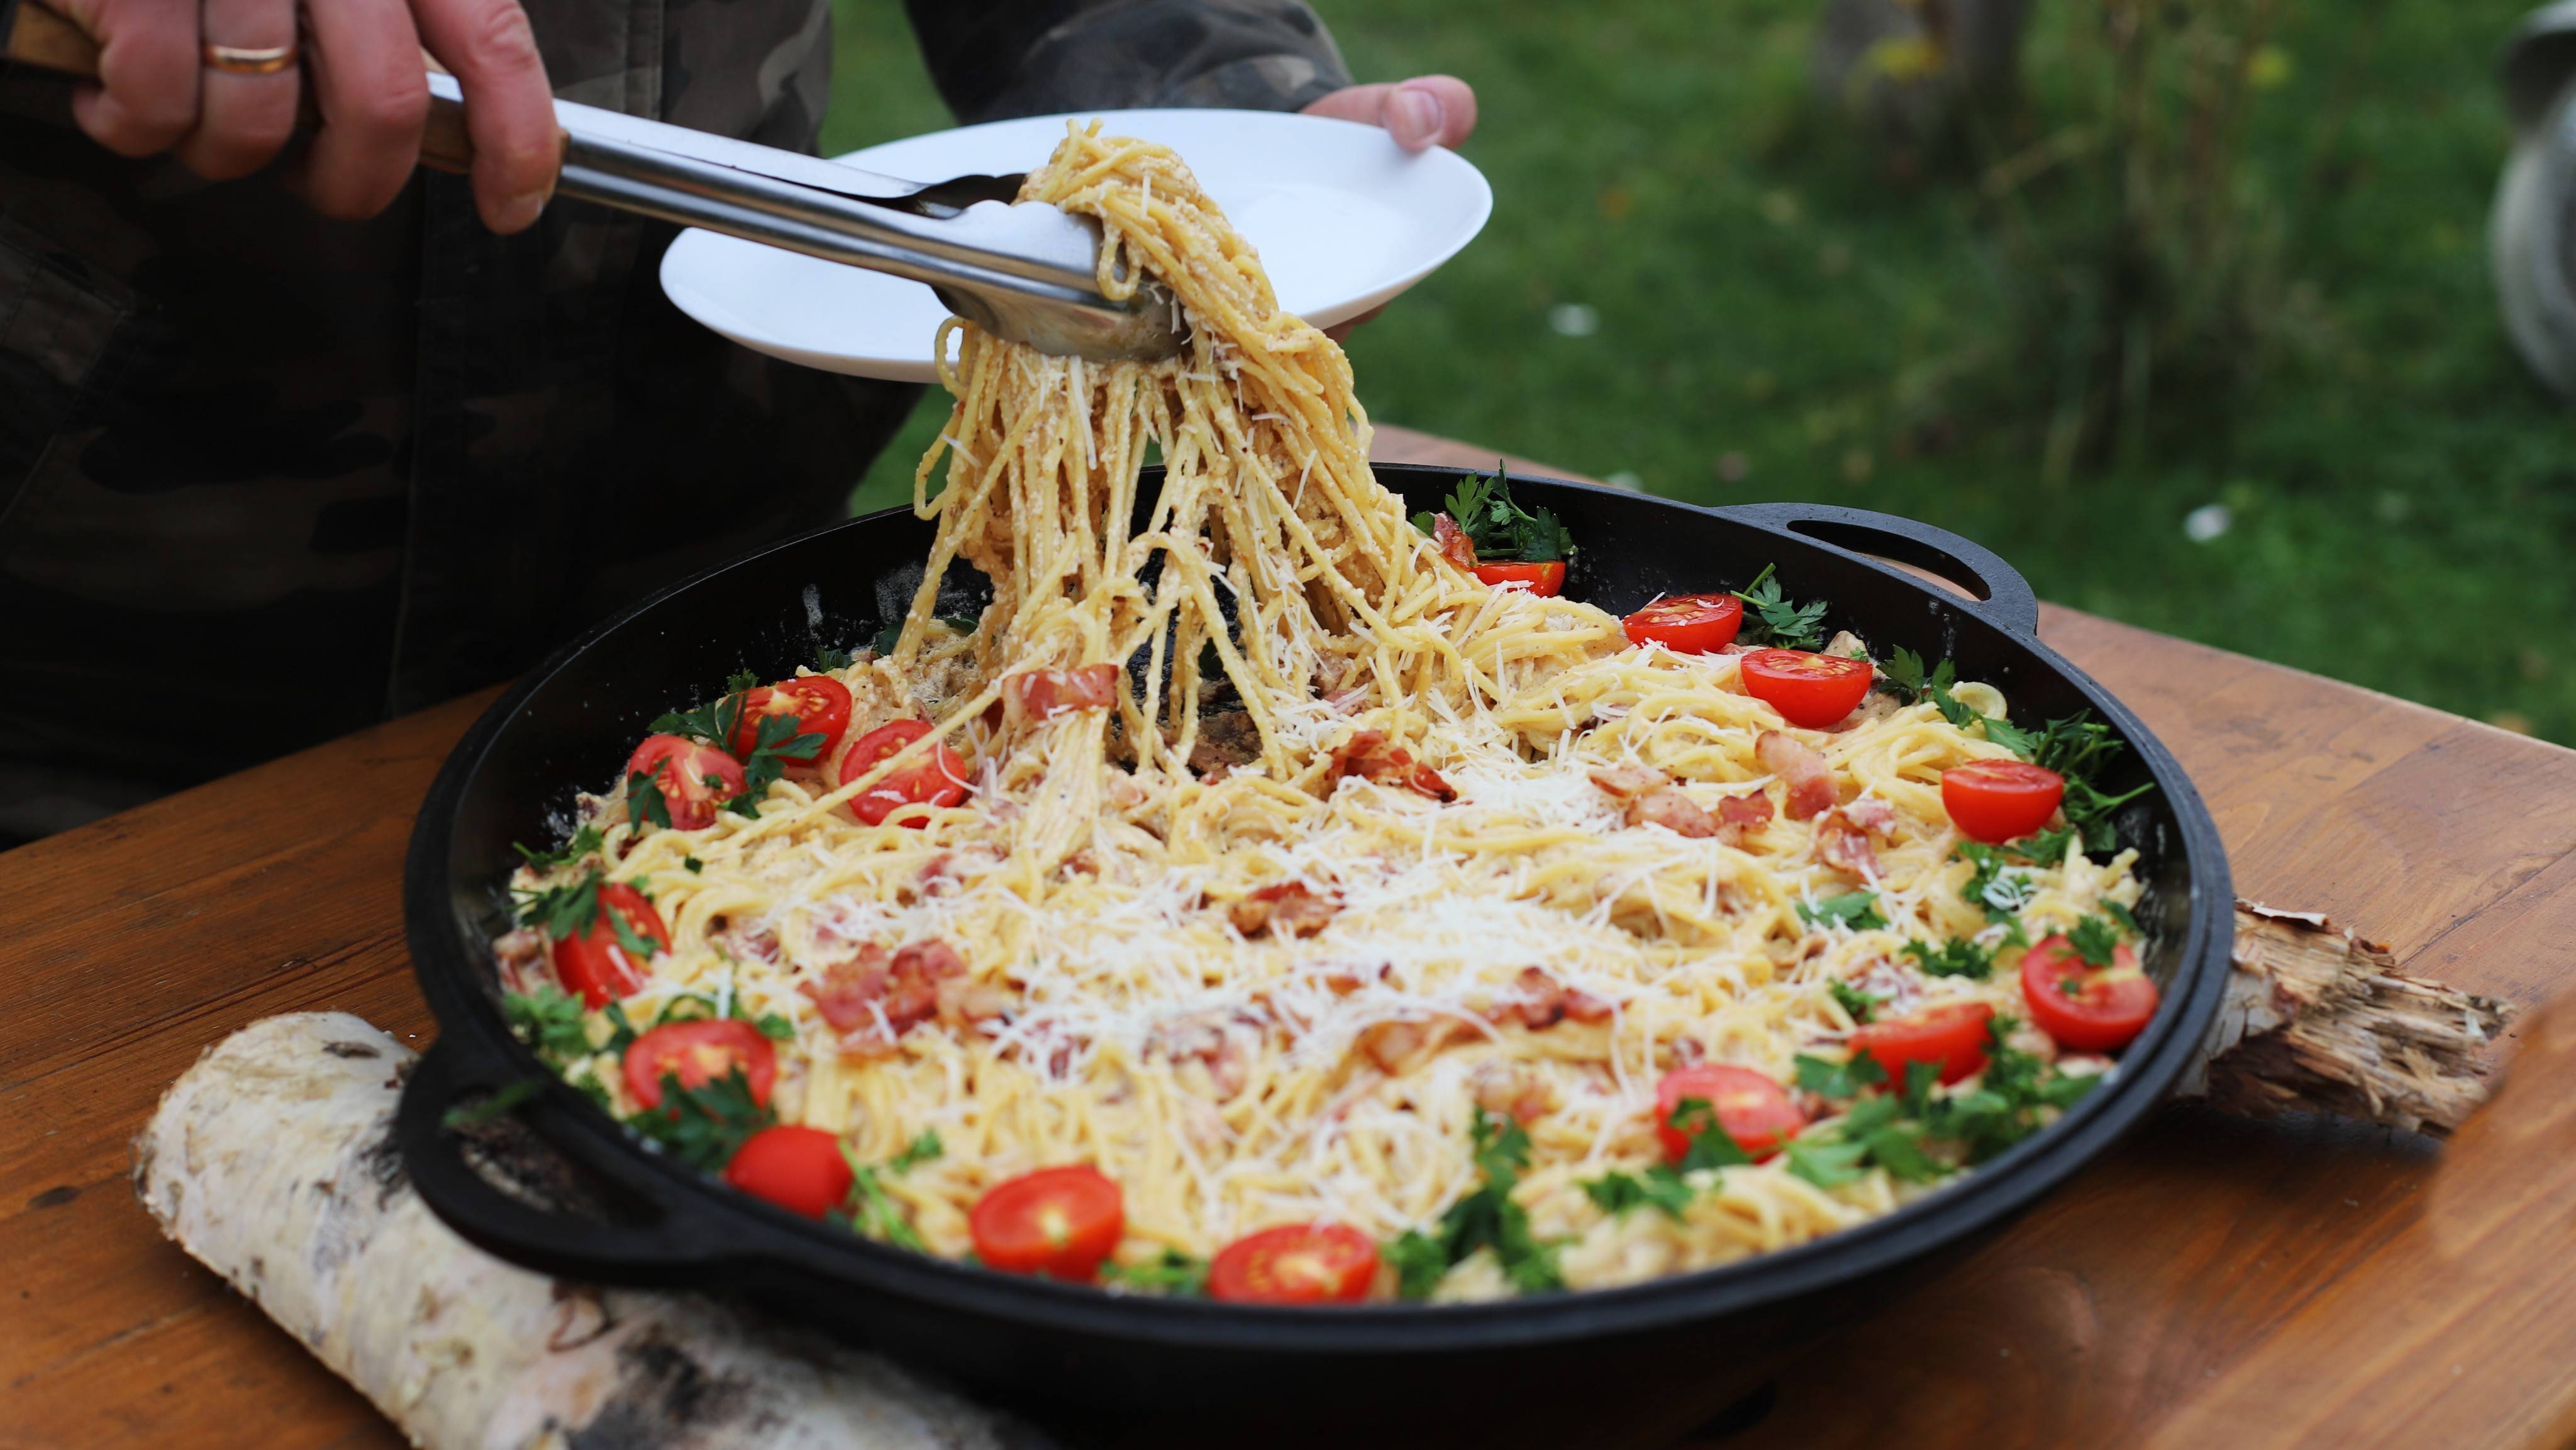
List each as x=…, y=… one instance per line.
x=1457, y=1374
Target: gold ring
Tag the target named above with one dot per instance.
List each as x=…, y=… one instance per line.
x=243, y=60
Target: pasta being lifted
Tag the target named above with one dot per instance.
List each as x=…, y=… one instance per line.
x=1274, y=897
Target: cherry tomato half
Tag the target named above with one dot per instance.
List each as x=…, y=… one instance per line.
x=1808, y=690
x=1298, y=1263
x=1996, y=800
x=820, y=704
x=1057, y=1221
x=798, y=1168
x=1692, y=624
x=594, y=964
x=1754, y=1109
x=698, y=1053
x=1542, y=579
x=1953, y=1038
x=937, y=780
x=2084, y=1007
x=695, y=778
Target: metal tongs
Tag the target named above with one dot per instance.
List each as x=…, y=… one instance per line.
x=1022, y=271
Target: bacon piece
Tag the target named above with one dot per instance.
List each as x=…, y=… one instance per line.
x=1400, y=1046
x=1844, y=845
x=1369, y=755
x=1454, y=544
x=1872, y=815
x=1510, y=1087
x=1045, y=694
x=1740, y=815
x=1220, y=1044
x=521, y=956
x=744, y=941
x=1544, y=1002
x=1810, y=782
x=1289, y=908
x=901, y=985
x=1654, y=800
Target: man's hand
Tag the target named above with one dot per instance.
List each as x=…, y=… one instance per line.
x=1422, y=112
x=363, y=59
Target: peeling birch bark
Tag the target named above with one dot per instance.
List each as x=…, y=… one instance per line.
x=272, y=1162
x=2320, y=1020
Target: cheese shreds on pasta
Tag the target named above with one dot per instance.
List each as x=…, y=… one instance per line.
x=1333, y=871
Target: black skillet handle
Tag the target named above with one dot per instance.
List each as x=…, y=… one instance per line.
x=658, y=1247
x=2002, y=595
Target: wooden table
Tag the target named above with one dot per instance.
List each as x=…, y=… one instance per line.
x=2211, y=1283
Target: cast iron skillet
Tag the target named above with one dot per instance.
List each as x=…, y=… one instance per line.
x=1618, y=1366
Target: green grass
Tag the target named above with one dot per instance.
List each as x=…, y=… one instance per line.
x=1773, y=306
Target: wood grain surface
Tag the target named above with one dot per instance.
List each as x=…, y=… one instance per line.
x=2211, y=1283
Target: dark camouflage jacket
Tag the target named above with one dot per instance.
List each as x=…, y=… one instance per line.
x=265, y=478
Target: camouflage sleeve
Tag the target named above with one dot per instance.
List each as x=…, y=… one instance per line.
x=1008, y=58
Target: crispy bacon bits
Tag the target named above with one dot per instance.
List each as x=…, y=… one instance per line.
x=1843, y=835
x=1034, y=695
x=1544, y=1002
x=1286, y=909
x=1653, y=799
x=876, y=996
x=1401, y=1046
x=1810, y=782
x=1369, y=755
x=1511, y=1087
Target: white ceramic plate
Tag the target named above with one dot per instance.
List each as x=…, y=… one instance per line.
x=1343, y=217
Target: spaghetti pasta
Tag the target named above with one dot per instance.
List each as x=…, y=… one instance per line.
x=1290, y=863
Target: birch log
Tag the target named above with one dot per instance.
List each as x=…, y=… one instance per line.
x=272, y=1161
x=2319, y=1020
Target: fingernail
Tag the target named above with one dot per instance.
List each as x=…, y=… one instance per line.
x=1416, y=119
x=518, y=213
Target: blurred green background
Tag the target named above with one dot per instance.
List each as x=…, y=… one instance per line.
x=2196, y=329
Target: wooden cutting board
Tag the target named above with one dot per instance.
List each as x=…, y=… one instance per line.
x=2212, y=1283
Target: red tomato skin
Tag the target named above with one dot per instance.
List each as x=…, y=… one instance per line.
x=1691, y=624
x=1298, y=1263
x=593, y=965
x=1753, y=1108
x=1810, y=691
x=1543, y=580
x=2113, y=1006
x=698, y=1053
x=1995, y=801
x=1013, y=1232
x=800, y=1169
x=939, y=780
x=1954, y=1037
x=820, y=703
x=683, y=765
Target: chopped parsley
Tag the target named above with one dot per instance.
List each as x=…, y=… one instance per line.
x=555, y=1026
x=1502, y=531
x=774, y=744
x=873, y=1211
x=693, y=864
x=583, y=842
x=2094, y=939
x=714, y=721
x=1484, y=1219
x=1919, y=1134
x=829, y=660
x=2127, y=919
x=1666, y=1187
x=2078, y=747
x=1958, y=957
x=1857, y=910
x=1861, y=1006
x=560, y=911
x=1173, y=1273
x=776, y=1028
x=703, y=1125
x=645, y=801
x=1778, y=621
x=2002, y=896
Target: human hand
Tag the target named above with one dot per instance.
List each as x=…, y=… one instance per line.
x=1423, y=112
x=162, y=88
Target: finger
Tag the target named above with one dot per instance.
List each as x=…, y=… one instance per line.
x=242, y=119
x=370, y=87
x=509, y=112
x=1363, y=104
x=1442, y=111
x=146, y=98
